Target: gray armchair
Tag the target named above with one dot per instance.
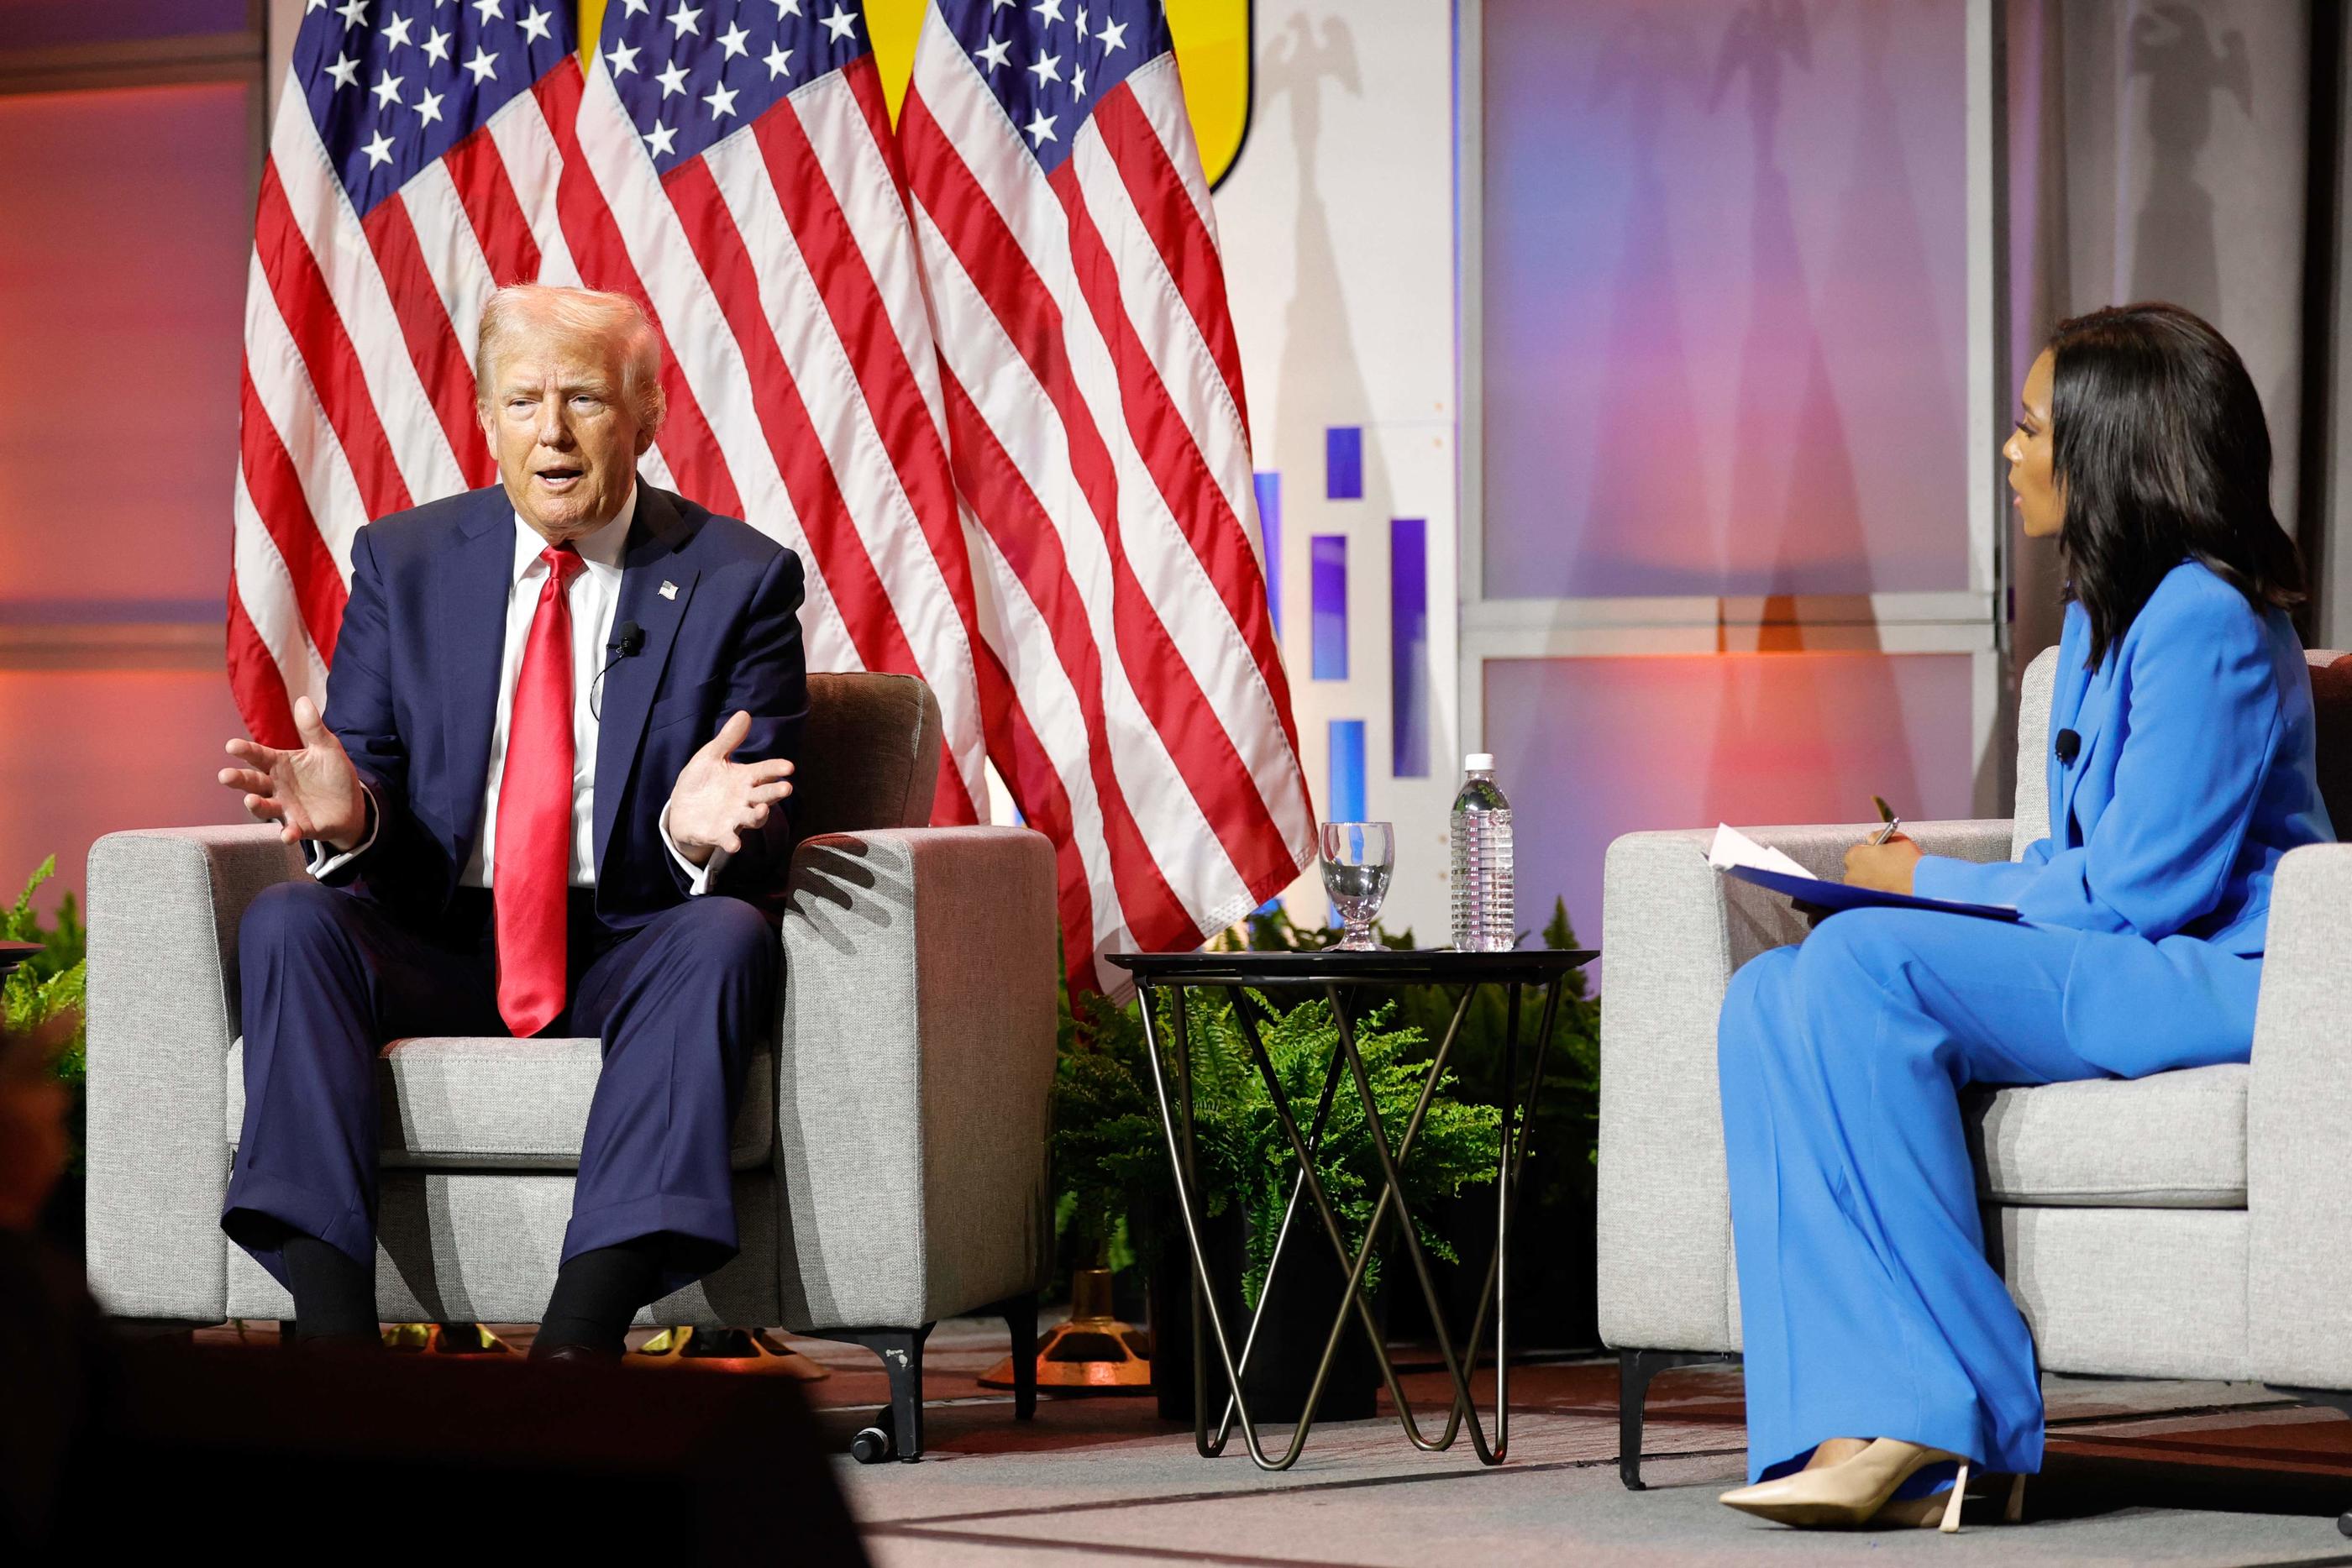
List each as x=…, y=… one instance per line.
x=2187, y=1225
x=890, y=1155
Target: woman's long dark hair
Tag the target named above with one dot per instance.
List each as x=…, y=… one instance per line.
x=2161, y=455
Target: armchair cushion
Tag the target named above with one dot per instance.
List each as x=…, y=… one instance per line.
x=2177, y=1140
x=506, y=1104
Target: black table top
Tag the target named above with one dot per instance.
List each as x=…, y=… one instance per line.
x=1416, y=967
x=15, y=953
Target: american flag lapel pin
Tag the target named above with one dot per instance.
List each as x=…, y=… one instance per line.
x=670, y=591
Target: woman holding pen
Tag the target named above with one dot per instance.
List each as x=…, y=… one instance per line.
x=1884, y=1358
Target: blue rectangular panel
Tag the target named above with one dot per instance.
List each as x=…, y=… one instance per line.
x=1269, y=533
x=1343, y=462
x=1345, y=798
x=1326, y=578
x=1409, y=647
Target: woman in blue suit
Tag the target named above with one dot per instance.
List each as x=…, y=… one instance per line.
x=1883, y=1353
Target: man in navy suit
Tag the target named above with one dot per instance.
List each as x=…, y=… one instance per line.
x=548, y=796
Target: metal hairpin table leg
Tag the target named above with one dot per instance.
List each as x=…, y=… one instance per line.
x=1510, y=1160
x=1356, y=1268
x=1177, y=1122
x=1335, y=976
x=1393, y=1181
x=1247, y=1015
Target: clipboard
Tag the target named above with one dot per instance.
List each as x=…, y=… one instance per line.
x=1837, y=897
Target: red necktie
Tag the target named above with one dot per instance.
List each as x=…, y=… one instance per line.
x=532, y=879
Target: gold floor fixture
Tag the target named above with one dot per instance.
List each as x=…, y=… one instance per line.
x=444, y=1339
x=763, y=1351
x=1093, y=1353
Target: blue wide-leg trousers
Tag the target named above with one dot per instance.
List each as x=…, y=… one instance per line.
x=329, y=976
x=1867, y=1306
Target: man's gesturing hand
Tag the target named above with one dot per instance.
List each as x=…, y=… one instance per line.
x=717, y=802
x=312, y=793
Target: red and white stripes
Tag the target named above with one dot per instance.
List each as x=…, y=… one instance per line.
x=780, y=268
x=1095, y=417
x=358, y=390
x=804, y=388
x=999, y=413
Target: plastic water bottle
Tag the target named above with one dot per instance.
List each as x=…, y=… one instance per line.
x=1484, y=920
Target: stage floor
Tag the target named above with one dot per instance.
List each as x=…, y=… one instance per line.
x=2139, y=1473
x=2185, y=1473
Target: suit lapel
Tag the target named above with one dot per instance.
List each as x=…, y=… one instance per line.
x=470, y=616
x=650, y=566
x=2089, y=722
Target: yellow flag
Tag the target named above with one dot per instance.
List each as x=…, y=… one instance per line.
x=1212, y=50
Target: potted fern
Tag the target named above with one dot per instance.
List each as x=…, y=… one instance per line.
x=1111, y=1154
x=41, y=1001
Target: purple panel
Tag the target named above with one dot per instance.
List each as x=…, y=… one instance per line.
x=1343, y=463
x=1327, y=578
x=1725, y=295
x=1590, y=748
x=1269, y=532
x=1409, y=647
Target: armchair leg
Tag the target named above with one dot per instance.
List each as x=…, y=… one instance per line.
x=1020, y=1315
x=155, y=1328
x=1634, y=1370
x=899, y=1429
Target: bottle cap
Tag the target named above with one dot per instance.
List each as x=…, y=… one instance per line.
x=1479, y=762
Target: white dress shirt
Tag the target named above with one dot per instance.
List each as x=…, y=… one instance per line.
x=593, y=597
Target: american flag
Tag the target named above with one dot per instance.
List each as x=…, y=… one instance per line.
x=735, y=171
x=1101, y=449
x=1048, y=514
x=729, y=165
x=410, y=169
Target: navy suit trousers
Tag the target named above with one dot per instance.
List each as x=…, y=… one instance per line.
x=330, y=977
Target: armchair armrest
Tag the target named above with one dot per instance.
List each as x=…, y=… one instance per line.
x=1673, y=930
x=163, y=912
x=914, y=1073
x=2298, y=1119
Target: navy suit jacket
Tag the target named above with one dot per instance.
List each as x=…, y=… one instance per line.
x=414, y=688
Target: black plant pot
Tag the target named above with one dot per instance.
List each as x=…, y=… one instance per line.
x=1168, y=1288
x=1303, y=1298
x=1553, y=1298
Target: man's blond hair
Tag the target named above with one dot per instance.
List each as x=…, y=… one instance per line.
x=576, y=312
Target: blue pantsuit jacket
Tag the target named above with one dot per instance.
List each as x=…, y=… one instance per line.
x=1867, y=1306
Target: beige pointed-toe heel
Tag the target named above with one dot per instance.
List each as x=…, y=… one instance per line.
x=1937, y=1510
x=1941, y=1511
x=1854, y=1491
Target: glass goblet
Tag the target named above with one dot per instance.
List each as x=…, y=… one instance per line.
x=1358, y=858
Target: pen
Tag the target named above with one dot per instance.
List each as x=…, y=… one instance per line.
x=1888, y=832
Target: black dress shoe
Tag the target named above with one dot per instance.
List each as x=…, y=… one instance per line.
x=574, y=1356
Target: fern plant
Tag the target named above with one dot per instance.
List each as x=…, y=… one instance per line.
x=1456, y=1147
x=1110, y=1155
x=48, y=986
x=1110, y=1151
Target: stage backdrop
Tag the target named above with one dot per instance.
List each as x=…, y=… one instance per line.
x=129, y=140
x=1330, y=131
x=1718, y=358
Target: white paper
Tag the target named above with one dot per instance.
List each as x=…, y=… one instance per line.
x=1732, y=847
